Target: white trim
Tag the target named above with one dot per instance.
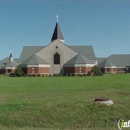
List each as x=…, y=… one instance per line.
x=10, y=67
x=116, y=67
x=80, y=65
x=94, y=62
x=111, y=67
x=121, y=66
x=38, y=65
x=77, y=73
x=38, y=73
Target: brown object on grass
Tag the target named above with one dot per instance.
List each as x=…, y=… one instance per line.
x=101, y=99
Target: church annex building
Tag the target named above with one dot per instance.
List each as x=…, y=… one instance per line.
x=59, y=58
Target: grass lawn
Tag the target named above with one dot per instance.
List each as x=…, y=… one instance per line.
x=51, y=103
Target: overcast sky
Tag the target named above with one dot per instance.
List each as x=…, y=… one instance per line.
x=104, y=24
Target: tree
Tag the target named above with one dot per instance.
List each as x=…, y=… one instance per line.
x=19, y=72
x=96, y=70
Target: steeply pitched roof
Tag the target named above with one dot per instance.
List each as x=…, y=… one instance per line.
x=57, y=33
x=34, y=60
x=78, y=59
x=28, y=51
x=11, y=55
x=86, y=51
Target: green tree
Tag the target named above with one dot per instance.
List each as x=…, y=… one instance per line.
x=96, y=70
x=19, y=72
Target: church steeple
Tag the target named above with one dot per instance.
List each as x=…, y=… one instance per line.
x=11, y=57
x=57, y=35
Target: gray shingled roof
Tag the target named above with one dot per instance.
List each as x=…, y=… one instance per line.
x=78, y=59
x=86, y=51
x=104, y=62
x=119, y=59
x=34, y=60
x=28, y=51
x=11, y=64
x=101, y=62
x=114, y=60
x=6, y=61
x=108, y=63
x=57, y=33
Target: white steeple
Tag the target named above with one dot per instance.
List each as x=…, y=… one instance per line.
x=11, y=57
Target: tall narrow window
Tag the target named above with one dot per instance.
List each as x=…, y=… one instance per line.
x=56, y=58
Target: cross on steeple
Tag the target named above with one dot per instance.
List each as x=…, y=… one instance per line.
x=57, y=18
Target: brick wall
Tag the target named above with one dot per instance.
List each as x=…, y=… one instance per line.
x=38, y=70
x=113, y=70
x=77, y=70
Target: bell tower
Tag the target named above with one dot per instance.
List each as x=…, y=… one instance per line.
x=57, y=34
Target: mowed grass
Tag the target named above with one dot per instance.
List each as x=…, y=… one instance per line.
x=45, y=103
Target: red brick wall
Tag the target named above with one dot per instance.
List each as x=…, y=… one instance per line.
x=88, y=69
x=44, y=70
x=24, y=70
x=109, y=70
x=77, y=69
x=38, y=70
x=2, y=71
x=119, y=70
x=112, y=70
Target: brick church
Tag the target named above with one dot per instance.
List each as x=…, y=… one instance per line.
x=59, y=58
x=54, y=58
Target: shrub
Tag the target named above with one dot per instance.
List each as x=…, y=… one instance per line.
x=19, y=72
x=12, y=75
x=96, y=70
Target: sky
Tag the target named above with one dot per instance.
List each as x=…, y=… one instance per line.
x=103, y=24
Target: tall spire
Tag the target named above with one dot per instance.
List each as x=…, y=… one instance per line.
x=57, y=35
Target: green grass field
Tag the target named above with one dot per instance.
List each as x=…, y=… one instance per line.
x=47, y=103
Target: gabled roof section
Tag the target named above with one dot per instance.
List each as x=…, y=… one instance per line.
x=6, y=61
x=11, y=64
x=120, y=59
x=34, y=60
x=78, y=59
x=108, y=63
x=101, y=62
x=104, y=62
x=28, y=51
x=86, y=51
x=57, y=33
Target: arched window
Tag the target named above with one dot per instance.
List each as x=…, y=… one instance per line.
x=56, y=58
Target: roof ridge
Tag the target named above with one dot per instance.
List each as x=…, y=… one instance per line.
x=81, y=45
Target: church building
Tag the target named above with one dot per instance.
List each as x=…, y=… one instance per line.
x=59, y=58
x=54, y=58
